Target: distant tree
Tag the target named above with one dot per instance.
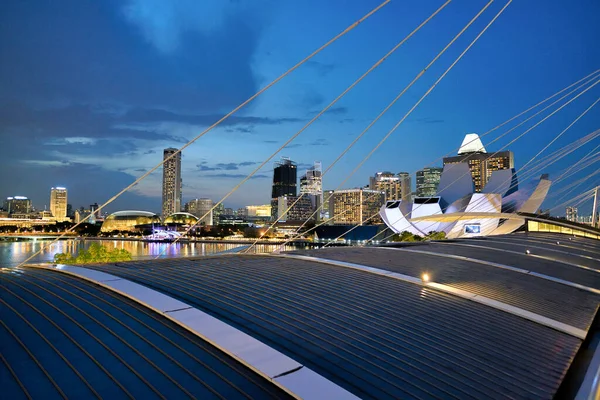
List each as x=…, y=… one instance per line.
x=406, y=236
x=433, y=235
x=96, y=253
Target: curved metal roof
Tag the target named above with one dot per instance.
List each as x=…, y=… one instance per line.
x=181, y=215
x=133, y=213
x=492, y=321
x=63, y=337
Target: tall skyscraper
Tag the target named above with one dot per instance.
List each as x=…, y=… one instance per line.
x=311, y=185
x=571, y=214
x=428, y=180
x=199, y=207
x=58, y=203
x=171, y=190
x=395, y=186
x=481, y=163
x=356, y=206
x=285, y=175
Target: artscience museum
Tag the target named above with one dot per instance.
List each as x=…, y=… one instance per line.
x=459, y=211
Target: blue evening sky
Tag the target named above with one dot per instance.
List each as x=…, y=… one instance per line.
x=92, y=91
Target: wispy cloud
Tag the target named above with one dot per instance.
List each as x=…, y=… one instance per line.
x=203, y=166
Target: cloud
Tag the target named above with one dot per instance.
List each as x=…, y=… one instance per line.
x=270, y=141
x=321, y=68
x=338, y=110
x=292, y=146
x=185, y=54
x=236, y=176
x=224, y=166
x=320, y=142
x=145, y=115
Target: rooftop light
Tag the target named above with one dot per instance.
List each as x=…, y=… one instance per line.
x=425, y=277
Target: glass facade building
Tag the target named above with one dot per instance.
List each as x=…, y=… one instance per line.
x=355, y=206
x=199, y=207
x=428, y=180
x=395, y=186
x=58, y=203
x=483, y=164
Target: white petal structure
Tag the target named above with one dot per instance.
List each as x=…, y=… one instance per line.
x=471, y=144
x=459, y=212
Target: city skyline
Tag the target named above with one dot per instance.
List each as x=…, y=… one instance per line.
x=89, y=122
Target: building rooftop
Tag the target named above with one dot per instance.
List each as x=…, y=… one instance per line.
x=64, y=337
x=489, y=321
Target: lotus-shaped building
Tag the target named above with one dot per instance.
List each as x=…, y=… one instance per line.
x=459, y=211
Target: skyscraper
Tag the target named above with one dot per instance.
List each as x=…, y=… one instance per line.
x=311, y=185
x=284, y=178
x=356, y=206
x=285, y=175
x=199, y=207
x=481, y=163
x=171, y=190
x=58, y=203
x=17, y=205
x=428, y=180
x=395, y=186
x=572, y=214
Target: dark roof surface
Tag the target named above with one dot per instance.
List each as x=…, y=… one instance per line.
x=375, y=336
x=65, y=337
x=554, y=300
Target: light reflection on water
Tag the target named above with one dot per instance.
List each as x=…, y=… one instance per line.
x=13, y=253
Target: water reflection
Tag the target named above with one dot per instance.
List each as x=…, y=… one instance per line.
x=13, y=253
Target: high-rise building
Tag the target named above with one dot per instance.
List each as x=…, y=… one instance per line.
x=94, y=209
x=572, y=214
x=17, y=205
x=356, y=206
x=395, y=186
x=428, y=180
x=171, y=185
x=285, y=175
x=217, y=212
x=200, y=207
x=228, y=211
x=300, y=208
x=481, y=163
x=58, y=203
x=311, y=185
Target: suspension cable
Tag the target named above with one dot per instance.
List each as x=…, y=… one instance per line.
x=423, y=97
x=381, y=114
x=276, y=80
x=309, y=123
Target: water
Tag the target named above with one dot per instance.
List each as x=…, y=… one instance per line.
x=13, y=253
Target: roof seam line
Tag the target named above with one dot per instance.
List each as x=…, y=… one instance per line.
x=519, y=312
x=502, y=266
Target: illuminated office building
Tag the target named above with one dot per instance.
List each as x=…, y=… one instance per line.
x=356, y=206
x=300, y=208
x=171, y=185
x=428, y=180
x=199, y=207
x=481, y=163
x=17, y=205
x=58, y=203
x=395, y=186
x=572, y=214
